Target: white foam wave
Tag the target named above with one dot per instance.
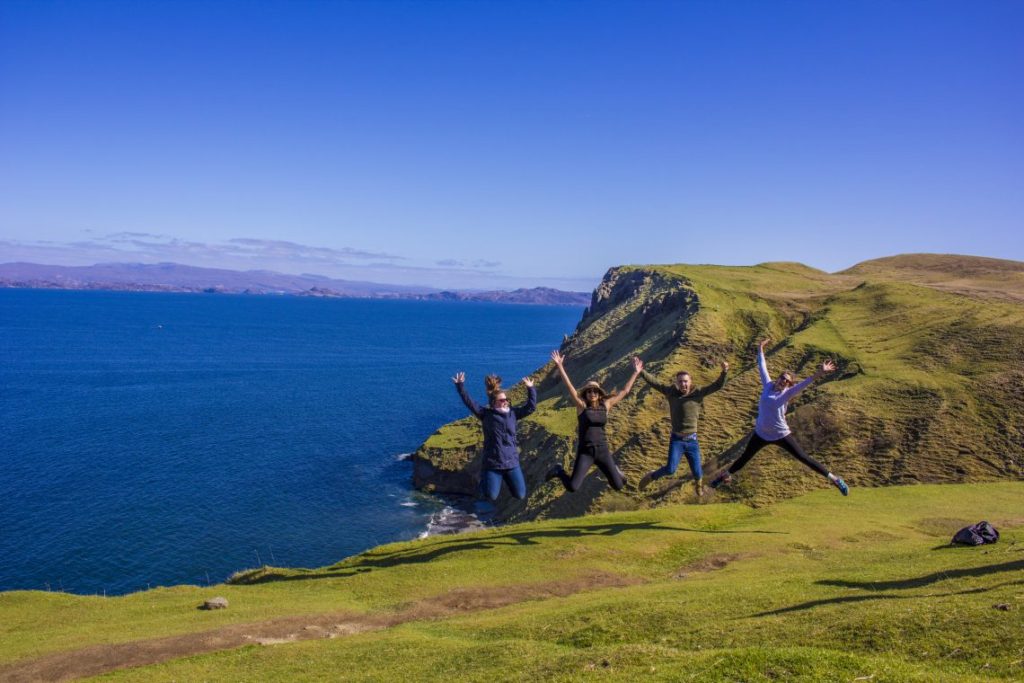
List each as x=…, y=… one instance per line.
x=451, y=520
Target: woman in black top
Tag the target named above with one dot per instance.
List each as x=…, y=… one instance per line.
x=592, y=406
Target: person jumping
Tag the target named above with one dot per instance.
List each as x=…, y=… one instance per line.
x=499, y=421
x=592, y=406
x=771, y=426
x=684, y=404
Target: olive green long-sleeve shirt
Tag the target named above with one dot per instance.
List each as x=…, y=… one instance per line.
x=685, y=408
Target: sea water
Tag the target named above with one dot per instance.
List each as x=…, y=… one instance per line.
x=154, y=439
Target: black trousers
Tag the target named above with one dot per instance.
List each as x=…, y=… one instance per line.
x=587, y=458
x=787, y=443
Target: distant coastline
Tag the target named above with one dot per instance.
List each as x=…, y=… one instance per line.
x=174, y=277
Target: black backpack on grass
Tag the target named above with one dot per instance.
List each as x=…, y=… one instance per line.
x=976, y=534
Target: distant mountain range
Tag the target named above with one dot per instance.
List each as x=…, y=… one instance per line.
x=175, y=277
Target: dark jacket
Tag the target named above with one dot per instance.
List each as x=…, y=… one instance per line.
x=501, y=451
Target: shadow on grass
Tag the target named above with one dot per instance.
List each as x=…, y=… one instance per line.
x=863, y=598
x=958, y=547
x=927, y=579
x=446, y=545
x=905, y=584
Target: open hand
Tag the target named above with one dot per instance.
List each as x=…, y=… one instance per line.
x=528, y=381
x=725, y=366
x=827, y=367
x=459, y=378
x=764, y=342
x=638, y=365
x=557, y=357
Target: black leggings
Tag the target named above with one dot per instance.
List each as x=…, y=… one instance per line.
x=585, y=459
x=787, y=443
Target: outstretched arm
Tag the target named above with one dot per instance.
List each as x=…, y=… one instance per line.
x=762, y=366
x=825, y=368
x=525, y=409
x=655, y=384
x=638, y=367
x=718, y=383
x=559, y=358
x=460, y=386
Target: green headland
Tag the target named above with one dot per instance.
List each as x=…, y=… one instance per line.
x=929, y=386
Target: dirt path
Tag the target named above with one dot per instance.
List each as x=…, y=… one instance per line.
x=98, y=659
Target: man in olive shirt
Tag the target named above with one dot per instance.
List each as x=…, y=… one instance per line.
x=684, y=404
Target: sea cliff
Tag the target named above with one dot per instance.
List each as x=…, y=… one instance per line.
x=928, y=387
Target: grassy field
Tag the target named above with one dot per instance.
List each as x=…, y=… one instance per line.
x=818, y=587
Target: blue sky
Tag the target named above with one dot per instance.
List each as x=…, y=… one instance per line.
x=501, y=144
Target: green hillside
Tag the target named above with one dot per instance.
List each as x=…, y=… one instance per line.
x=814, y=588
x=928, y=388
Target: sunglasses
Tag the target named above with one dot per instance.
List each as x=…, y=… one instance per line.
x=501, y=400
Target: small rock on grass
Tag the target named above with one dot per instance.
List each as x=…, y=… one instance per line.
x=1005, y=606
x=215, y=603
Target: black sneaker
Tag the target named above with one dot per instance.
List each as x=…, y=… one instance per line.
x=645, y=481
x=722, y=479
x=553, y=473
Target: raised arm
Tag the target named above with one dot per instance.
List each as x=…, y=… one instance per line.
x=718, y=383
x=655, y=384
x=826, y=368
x=762, y=366
x=638, y=367
x=559, y=359
x=525, y=409
x=460, y=386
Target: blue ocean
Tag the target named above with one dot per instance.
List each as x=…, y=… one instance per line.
x=152, y=439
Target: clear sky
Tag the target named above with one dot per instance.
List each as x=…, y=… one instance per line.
x=500, y=144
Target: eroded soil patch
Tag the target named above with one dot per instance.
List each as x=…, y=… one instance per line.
x=98, y=659
x=709, y=563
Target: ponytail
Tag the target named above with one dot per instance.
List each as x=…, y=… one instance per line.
x=492, y=384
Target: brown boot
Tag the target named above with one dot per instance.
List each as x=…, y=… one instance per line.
x=698, y=486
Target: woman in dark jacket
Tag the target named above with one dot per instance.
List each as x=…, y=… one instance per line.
x=499, y=420
x=592, y=406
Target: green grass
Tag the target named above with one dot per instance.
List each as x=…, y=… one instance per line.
x=818, y=587
x=555, y=416
x=461, y=434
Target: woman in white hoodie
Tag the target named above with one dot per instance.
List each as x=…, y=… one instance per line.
x=771, y=427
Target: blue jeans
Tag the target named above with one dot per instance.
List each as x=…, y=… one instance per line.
x=513, y=478
x=676, y=448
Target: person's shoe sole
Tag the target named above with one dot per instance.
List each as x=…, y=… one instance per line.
x=841, y=485
x=552, y=473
